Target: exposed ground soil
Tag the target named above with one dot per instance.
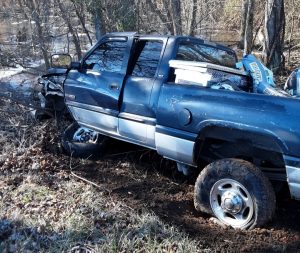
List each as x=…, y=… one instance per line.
x=144, y=180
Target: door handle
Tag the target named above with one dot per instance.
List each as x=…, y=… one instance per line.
x=114, y=86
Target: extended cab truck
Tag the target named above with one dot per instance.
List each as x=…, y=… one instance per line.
x=125, y=88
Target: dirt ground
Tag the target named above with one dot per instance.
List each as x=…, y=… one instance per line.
x=138, y=178
x=141, y=183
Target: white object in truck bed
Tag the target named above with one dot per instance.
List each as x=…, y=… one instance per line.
x=191, y=72
x=200, y=66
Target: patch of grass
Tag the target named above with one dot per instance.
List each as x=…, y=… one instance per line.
x=32, y=194
x=55, y=221
x=146, y=233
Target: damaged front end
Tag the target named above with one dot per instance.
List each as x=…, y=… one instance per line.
x=51, y=95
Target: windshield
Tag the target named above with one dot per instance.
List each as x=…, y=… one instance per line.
x=189, y=51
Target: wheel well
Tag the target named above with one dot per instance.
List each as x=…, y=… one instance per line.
x=270, y=162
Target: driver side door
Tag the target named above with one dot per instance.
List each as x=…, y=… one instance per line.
x=92, y=93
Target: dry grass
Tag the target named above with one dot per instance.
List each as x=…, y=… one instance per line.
x=44, y=209
x=41, y=219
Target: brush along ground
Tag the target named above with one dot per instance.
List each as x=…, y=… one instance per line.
x=141, y=203
x=42, y=208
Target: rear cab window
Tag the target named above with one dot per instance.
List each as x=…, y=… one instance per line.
x=146, y=58
x=191, y=51
x=211, y=66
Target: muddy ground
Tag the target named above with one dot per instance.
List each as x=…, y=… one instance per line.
x=142, y=180
x=141, y=183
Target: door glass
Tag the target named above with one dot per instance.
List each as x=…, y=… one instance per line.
x=107, y=57
x=147, y=56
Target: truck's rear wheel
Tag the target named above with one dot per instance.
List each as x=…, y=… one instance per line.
x=83, y=142
x=236, y=192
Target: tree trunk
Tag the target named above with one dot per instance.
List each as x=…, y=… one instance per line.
x=274, y=34
x=246, y=31
x=175, y=10
x=243, y=24
x=194, y=16
x=99, y=22
x=248, y=37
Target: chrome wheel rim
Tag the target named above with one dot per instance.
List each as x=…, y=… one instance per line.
x=85, y=135
x=231, y=203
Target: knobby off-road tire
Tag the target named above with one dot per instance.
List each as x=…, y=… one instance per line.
x=236, y=192
x=79, y=149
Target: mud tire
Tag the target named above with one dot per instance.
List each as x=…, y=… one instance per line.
x=249, y=176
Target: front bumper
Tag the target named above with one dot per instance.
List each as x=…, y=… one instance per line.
x=293, y=175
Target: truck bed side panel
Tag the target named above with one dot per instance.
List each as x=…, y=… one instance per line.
x=191, y=109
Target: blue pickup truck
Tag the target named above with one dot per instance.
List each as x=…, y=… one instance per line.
x=185, y=98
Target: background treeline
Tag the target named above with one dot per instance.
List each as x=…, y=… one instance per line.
x=30, y=30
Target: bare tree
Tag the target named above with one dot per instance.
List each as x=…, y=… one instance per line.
x=274, y=34
x=169, y=12
x=95, y=8
x=112, y=15
x=161, y=14
x=99, y=22
x=246, y=31
x=37, y=12
x=72, y=30
x=33, y=28
x=80, y=11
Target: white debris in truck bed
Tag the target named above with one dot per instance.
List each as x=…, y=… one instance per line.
x=201, y=66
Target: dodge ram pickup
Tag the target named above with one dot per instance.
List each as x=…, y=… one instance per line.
x=185, y=98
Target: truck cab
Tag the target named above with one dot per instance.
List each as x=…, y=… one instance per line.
x=116, y=88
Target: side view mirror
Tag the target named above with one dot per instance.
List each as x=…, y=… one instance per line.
x=61, y=61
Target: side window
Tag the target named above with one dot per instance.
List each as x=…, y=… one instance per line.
x=107, y=57
x=146, y=58
x=204, y=53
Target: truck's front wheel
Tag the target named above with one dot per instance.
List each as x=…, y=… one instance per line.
x=236, y=192
x=83, y=142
